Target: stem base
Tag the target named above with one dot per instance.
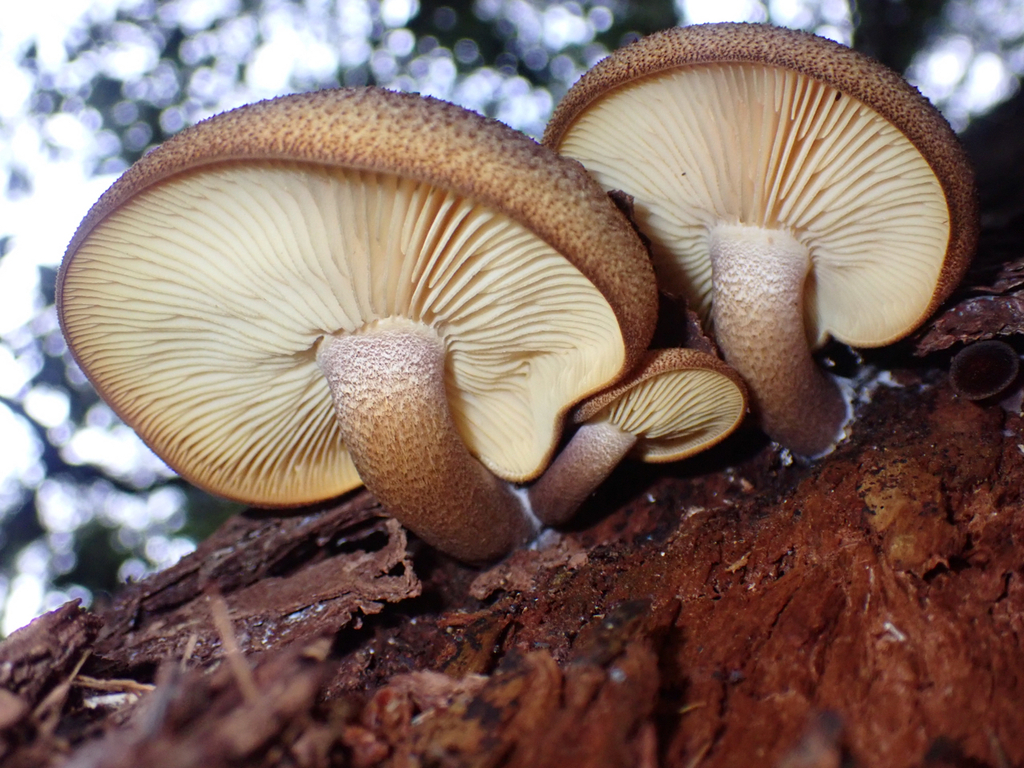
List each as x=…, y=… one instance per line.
x=594, y=451
x=758, y=314
x=387, y=382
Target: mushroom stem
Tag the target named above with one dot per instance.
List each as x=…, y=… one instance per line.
x=758, y=318
x=387, y=382
x=594, y=451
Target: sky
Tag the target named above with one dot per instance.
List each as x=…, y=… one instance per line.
x=962, y=77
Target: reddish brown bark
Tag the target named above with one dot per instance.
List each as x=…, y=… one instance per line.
x=865, y=609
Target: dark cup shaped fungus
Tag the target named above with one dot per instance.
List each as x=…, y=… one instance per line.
x=983, y=370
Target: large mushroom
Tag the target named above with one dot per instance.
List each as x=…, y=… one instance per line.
x=793, y=189
x=357, y=281
x=674, y=404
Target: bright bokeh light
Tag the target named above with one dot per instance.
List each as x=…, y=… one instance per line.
x=703, y=12
x=20, y=465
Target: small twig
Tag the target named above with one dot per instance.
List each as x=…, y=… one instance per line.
x=235, y=657
x=694, y=761
x=190, y=646
x=54, y=700
x=154, y=714
x=738, y=564
x=688, y=708
x=114, y=686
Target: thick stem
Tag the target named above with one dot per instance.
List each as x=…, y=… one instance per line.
x=387, y=382
x=758, y=315
x=594, y=451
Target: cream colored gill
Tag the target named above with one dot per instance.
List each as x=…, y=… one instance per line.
x=676, y=413
x=742, y=144
x=196, y=309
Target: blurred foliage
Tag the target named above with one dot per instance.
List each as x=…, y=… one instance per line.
x=893, y=31
x=138, y=78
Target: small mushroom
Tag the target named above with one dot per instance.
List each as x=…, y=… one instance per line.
x=984, y=370
x=677, y=402
x=793, y=190
x=349, y=284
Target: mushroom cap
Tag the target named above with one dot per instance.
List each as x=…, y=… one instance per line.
x=195, y=292
x=766, y=126
x=677, y=402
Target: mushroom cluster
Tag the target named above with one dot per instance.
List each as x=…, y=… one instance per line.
x=793, y=191
x=360, y=286
x=352, y=286
x=677, y=402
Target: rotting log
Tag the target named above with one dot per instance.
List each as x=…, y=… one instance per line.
x=867, y=608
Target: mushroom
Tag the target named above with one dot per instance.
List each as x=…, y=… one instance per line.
x=984, y=370
x=793, y=189
x=357, y=281
x=676, y=403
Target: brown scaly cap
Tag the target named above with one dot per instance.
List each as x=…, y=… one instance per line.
x=676, y=403
x=439, y=143
x=656, y=362
x=850, y=72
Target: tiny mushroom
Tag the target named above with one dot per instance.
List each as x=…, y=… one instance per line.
x=357, y=284
x=676, y=403
x=793, y=189
x=984, y=370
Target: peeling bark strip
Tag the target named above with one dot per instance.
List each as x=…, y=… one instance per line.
x=35, y=657
x=308, y=583
x=36, y=664
x=241, y=552
x=981, y=317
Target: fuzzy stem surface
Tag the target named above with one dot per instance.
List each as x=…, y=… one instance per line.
x=388, y=386
x=590, y=456
x=758, y=315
